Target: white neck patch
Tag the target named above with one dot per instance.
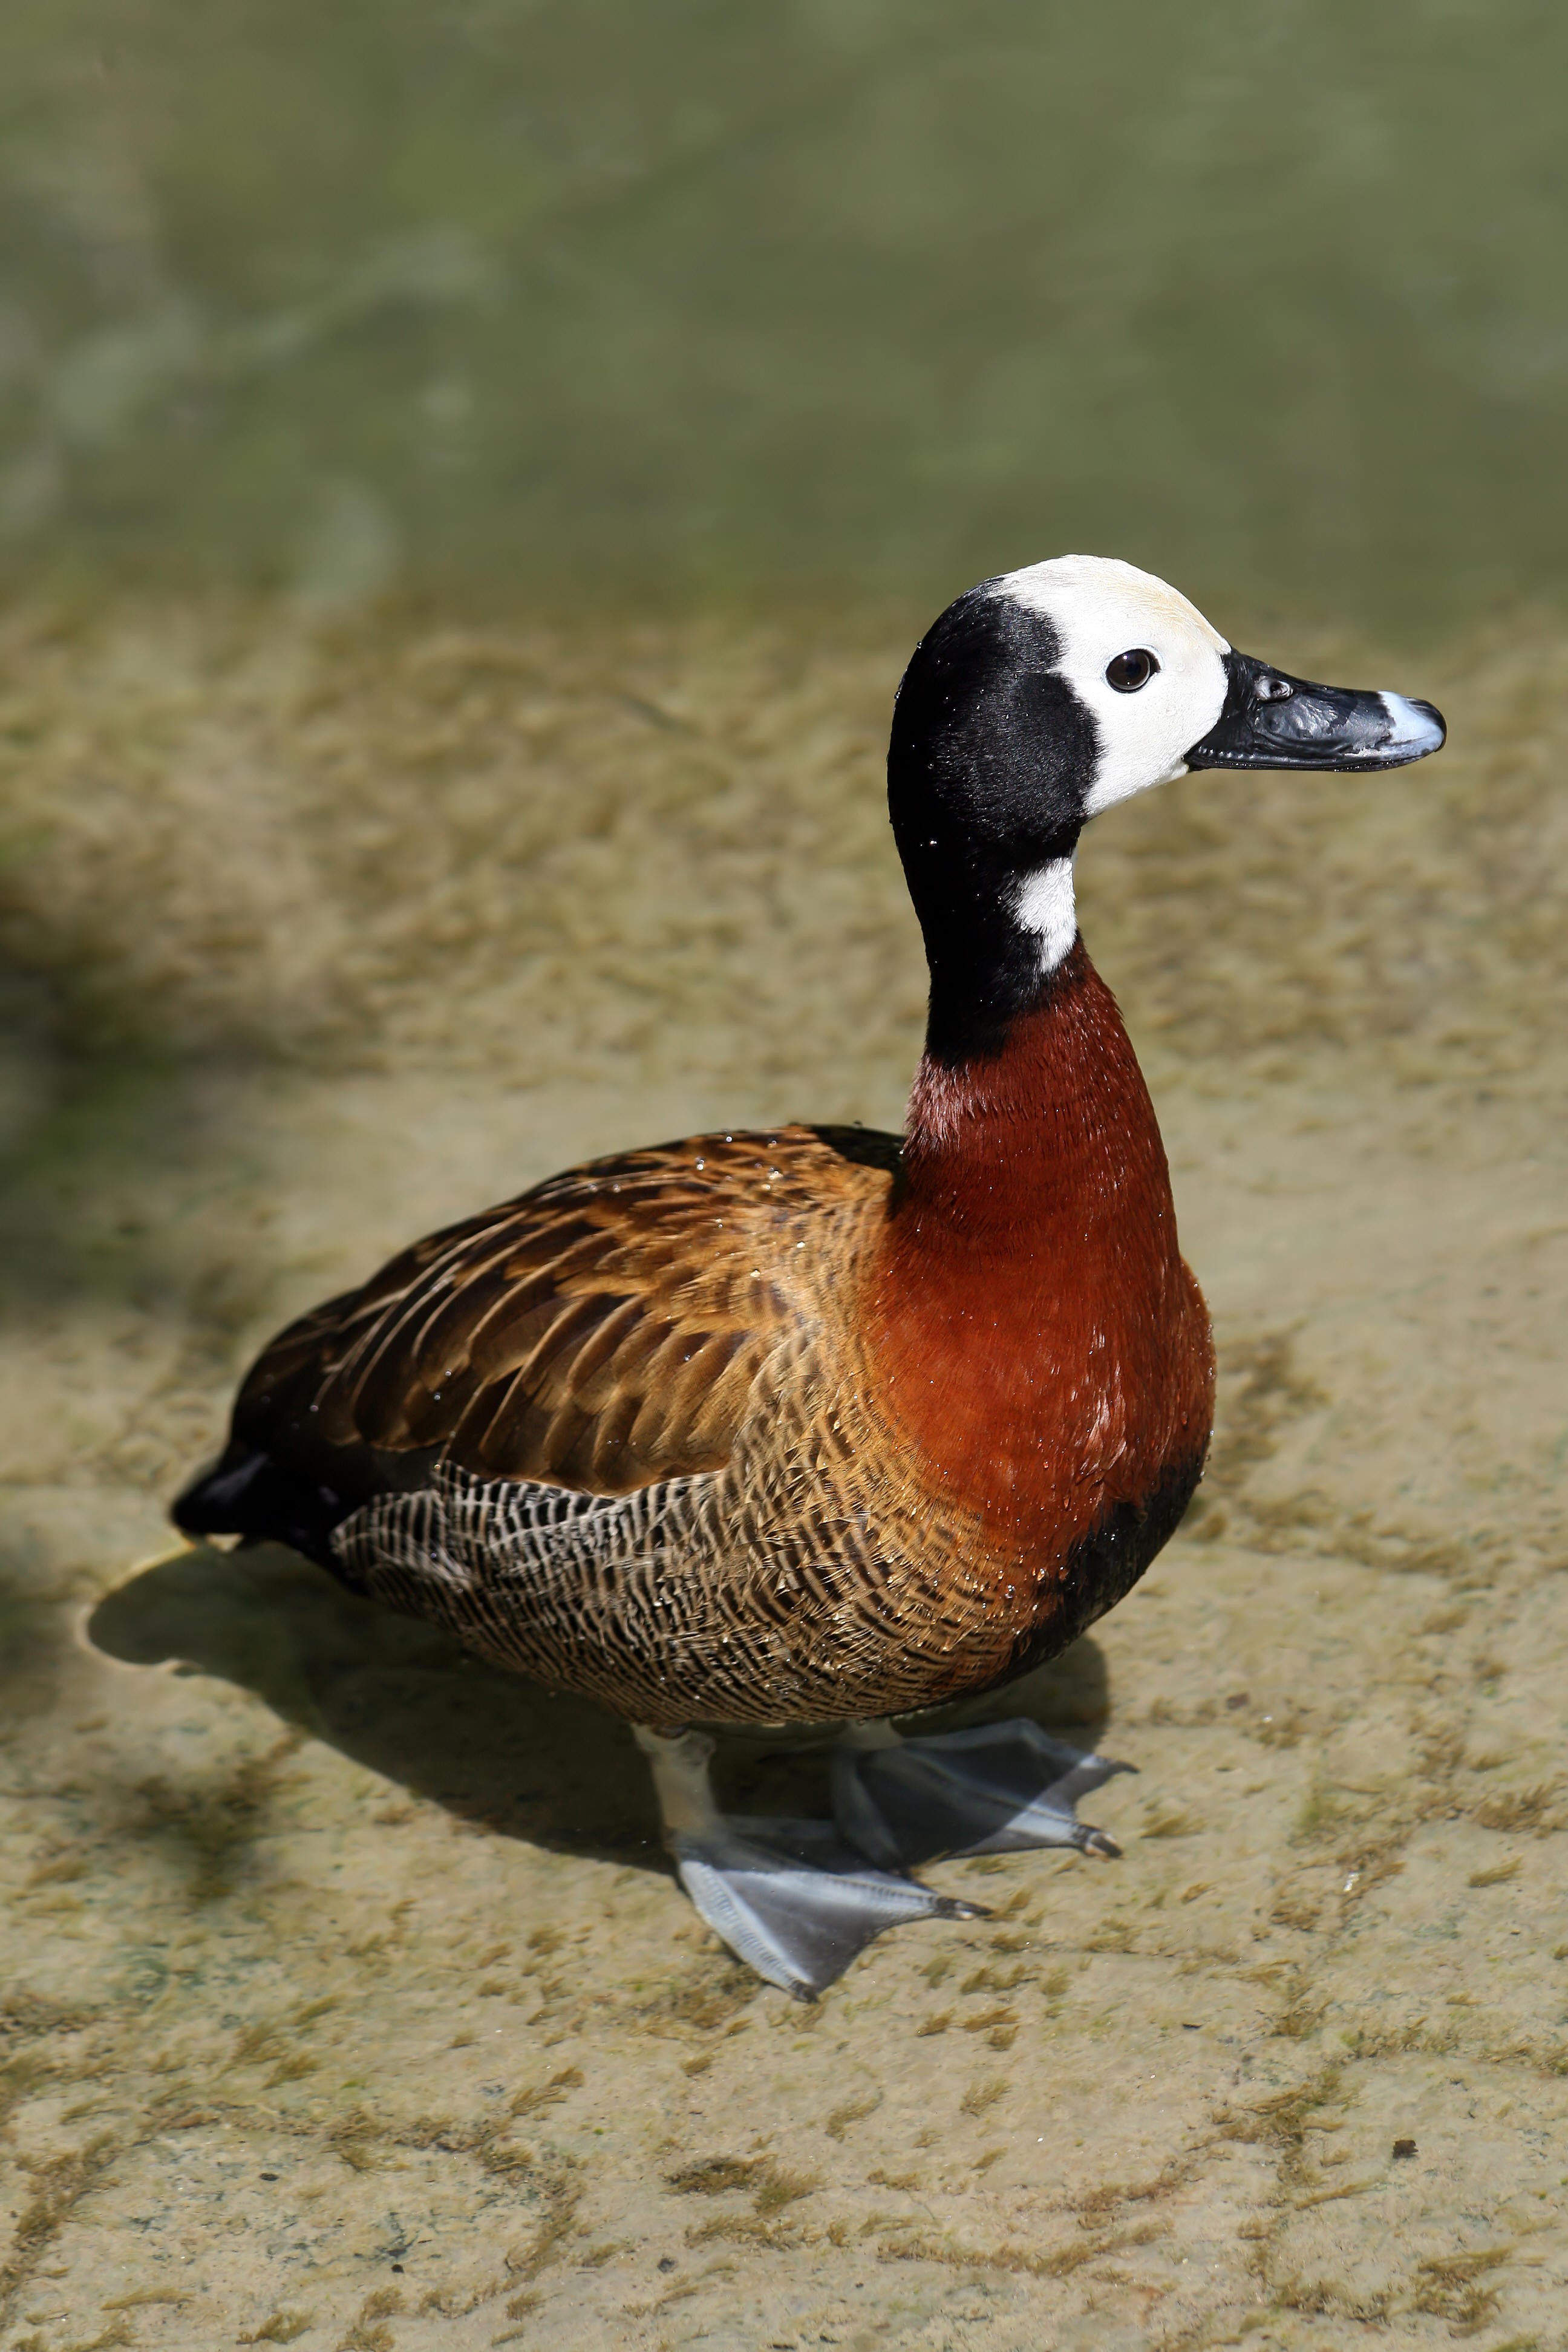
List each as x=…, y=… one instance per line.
x=1100, y=608
x=1045, y=905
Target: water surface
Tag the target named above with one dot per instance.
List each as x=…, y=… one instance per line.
x=613, y=297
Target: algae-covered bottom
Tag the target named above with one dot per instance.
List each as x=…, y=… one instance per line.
x=348, y=1999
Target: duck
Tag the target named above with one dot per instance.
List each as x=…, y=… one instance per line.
x=821, y=1425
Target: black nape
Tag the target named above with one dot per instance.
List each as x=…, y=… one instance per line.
x=991, y=759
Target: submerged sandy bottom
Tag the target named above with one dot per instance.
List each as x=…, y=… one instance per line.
x=348, y=2001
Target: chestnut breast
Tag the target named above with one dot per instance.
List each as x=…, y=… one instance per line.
x=1034, y=1338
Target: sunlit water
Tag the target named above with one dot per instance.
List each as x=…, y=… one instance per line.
x=344, y=1999
x=1271, y=296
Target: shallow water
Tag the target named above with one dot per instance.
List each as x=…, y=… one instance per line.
x=1267, y=295
x=349, y=2000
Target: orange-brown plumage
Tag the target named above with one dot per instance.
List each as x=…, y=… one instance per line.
x=1034, y=1333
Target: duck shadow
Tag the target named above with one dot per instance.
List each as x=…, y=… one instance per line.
x=491, y=1748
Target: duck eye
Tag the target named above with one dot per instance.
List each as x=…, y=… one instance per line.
x=1127, y=672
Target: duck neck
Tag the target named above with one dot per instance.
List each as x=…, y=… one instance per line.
x=1033, y=1338
x=1045, y=1138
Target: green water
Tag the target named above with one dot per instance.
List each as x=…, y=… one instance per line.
x=700, y=300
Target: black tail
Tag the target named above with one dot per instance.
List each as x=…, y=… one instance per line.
x=246, y=1494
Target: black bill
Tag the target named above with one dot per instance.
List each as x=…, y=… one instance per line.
x=1270, y=720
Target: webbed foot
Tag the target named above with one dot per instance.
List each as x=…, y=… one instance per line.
x=997, y=1788
x=791, y=1898
x=795, y=1903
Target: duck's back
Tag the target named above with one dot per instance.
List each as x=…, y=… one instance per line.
x=598, y=1333
x=573, y=1427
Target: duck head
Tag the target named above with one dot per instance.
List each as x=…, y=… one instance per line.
x=1039, y=699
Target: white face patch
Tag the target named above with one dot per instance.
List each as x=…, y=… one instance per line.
x=1045, y=905
x=1101, y=608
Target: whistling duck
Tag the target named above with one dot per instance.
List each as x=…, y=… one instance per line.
x=824, y=1426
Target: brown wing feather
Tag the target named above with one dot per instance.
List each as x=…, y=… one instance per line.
x=602, y=1331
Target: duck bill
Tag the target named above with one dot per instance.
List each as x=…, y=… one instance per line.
x=1272, y=720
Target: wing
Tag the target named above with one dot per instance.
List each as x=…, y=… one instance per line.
x=597, y=1334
